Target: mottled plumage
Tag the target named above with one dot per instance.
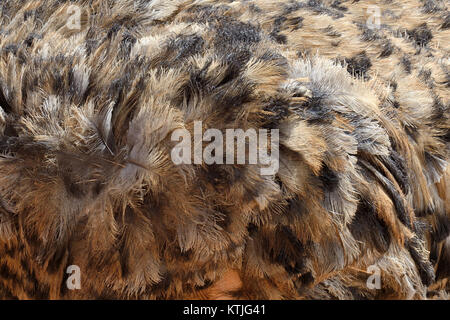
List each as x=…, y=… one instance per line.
x=86, y=176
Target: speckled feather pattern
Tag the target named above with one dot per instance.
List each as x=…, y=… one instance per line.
x=86, y=176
